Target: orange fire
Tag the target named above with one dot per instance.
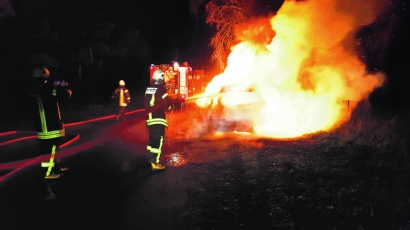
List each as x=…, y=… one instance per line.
x=297, y=83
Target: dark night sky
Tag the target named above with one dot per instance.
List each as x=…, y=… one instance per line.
x=173, y=32
x=176, y=35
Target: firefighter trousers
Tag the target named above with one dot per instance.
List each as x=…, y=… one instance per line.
x=155, y=142
x=121, y=114
x=50, y=147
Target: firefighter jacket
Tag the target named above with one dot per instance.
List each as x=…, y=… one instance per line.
x=123, y=96
x=44, y=101
x=156, y=102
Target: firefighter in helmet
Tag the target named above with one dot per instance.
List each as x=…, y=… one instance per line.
x=123, y=99
x=44, y=101
x=156, y=102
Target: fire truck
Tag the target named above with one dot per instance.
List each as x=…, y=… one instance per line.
x=181, y=82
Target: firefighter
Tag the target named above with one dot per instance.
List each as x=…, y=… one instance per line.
x=44, y=100
x=123, y=99
x=156, y=102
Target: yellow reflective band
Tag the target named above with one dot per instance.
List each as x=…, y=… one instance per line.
x=157, y=119
x=154, y=150
x=157, y=123
x=149, y=118
x=149, y=147
x=47, y=164
x=160, y=147
x=165, y=95
x=51, y=162
x=54, y=92
x=51, y=134
x=42, y=114
x=152, y=101
x=122, y=100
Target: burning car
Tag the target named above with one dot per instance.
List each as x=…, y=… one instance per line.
x=232, y=109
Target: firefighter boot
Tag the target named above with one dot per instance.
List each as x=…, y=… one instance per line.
x=52, y=195
x=157, y=166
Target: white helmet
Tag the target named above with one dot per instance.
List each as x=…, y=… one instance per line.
x=41, y=72
x=122, y=83
x=158, y=77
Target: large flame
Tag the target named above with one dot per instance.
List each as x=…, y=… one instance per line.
x=296, y=83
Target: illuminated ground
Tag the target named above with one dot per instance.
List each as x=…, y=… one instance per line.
x=235, y=181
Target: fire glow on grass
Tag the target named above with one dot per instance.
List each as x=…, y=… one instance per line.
x=295, y=83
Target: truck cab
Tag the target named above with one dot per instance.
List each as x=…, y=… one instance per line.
x=176, y=81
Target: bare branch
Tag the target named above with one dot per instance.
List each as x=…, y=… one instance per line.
x=224, y=15
x=195, y=6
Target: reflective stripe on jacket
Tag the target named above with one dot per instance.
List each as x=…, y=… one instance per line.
x=124, y=96
x=156, y=101
x=45, y=109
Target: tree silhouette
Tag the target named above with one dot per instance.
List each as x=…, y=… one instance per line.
x=225, y=15
x=79, y=40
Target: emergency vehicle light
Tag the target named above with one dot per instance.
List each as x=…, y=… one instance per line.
x=176, y=66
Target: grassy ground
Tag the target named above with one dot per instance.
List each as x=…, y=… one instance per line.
x=300, y=186
x=356, y=177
